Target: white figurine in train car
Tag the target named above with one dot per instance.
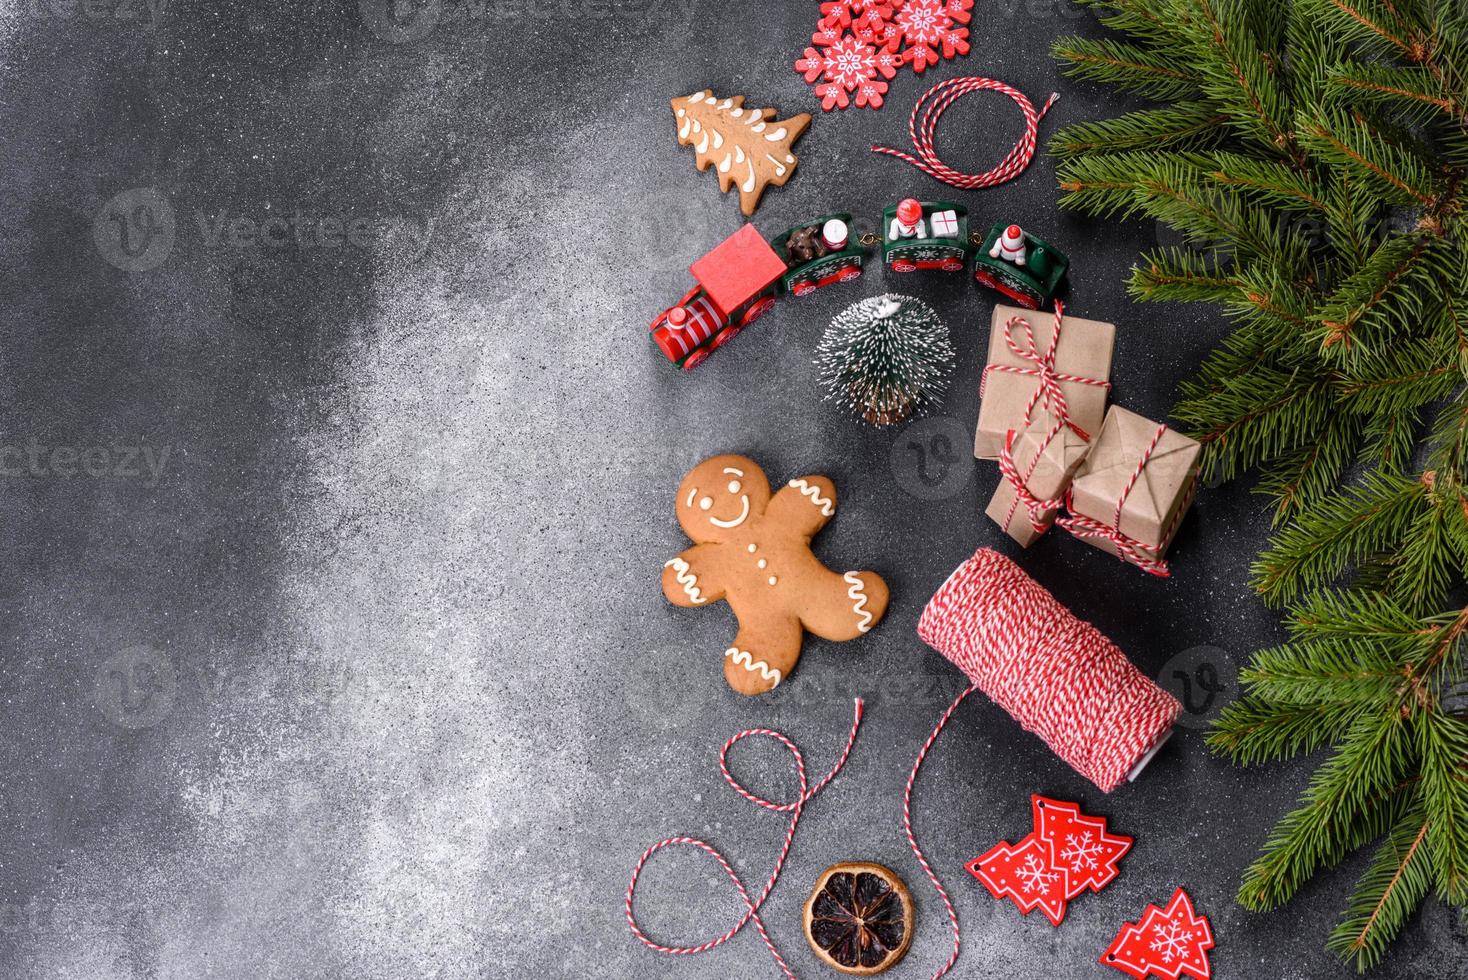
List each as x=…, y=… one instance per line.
x=1011, y=246
x=908, y=222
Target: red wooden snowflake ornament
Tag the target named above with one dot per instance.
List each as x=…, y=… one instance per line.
x=898, y=32
x=1166, y=943
x=849, y=65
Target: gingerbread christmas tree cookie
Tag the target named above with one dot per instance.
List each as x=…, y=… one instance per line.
x=749, y=148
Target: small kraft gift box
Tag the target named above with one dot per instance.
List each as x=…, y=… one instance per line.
x=1036, y=467
x=1132, y=490
x=1043, y=364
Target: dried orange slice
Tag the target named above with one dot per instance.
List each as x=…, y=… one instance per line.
x=858, y=918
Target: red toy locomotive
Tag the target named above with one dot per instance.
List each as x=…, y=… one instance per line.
x=739, y=280
x=736, y=286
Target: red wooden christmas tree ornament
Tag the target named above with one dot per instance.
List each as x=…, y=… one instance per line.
x=1023, y=874
x=1166, y=943
x=1079, y=844
x=1068, y=852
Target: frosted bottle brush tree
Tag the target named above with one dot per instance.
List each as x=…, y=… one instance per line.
x=1312, y=154
x=887, y=358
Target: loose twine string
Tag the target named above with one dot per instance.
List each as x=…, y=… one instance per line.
x=912, y=838
x=922, y=127
x=793, y=807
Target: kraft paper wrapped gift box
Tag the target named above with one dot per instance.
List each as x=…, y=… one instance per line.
x=1046, y=455
x=1150, y=470
x=1076, y=365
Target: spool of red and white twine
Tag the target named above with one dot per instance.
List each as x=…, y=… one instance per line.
x=922, y=126
x=1057, y=675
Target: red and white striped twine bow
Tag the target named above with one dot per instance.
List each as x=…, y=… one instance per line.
x=1048, y=392
x=935, y=101
x=794, y=808
x=1130, y=548
x=1021, y=481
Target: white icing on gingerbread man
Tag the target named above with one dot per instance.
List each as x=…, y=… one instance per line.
x=753, y=550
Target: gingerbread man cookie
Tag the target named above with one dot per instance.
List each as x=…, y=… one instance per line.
x=753, y=550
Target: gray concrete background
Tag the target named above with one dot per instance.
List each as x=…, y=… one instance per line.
x=333, y=646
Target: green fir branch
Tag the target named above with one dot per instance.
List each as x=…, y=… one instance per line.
x=1335, y=811
x=1313, y=160
x=1390, y=438
x=1267, y=182
x=1397, y=174
x=1240, y=77
x=1387, y=894
x=1413, y=92
x=1387, y=296
x=1443, y=746
x=1318, y=546
x=1182, y=275
x=1331, y=670
x=1303, y=477
x=1250, y=731
x=1186, y=125
x=1131, y=67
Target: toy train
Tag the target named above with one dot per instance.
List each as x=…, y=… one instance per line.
x=741, y=278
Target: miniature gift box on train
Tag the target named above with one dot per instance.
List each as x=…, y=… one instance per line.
x=739, y=280
x=925, y=235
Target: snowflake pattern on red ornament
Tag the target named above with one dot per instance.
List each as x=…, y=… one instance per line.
x=1167, y=943
x=924, y=24
x=897, y=33
x=849, y=65
x=849, y=62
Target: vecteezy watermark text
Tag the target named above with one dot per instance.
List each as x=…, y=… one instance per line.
x=138, y=229
x=140, y=687
x=112, y=461
x=299, y=230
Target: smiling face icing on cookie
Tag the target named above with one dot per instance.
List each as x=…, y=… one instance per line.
x=721, y=497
